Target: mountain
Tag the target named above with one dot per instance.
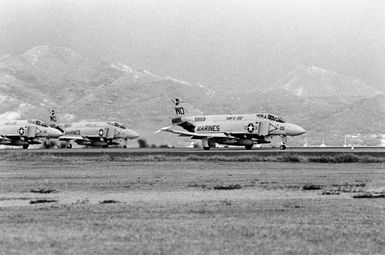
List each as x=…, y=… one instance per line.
x=58, y=73
x=364, y=116
x=317, y=99
x=309, y=95
x=316, y=83
x=325, y=103
x=49, y=76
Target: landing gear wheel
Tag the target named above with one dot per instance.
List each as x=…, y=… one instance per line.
x=282, y=147
x=69, y=146
x=25, y=146
x=206, y=144
x=105, y=146
x=248, y=147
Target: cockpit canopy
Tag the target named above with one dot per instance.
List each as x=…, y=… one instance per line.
x=270, y=116
x=38, y=122
x=117, y=124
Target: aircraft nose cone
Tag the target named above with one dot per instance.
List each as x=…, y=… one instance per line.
x=54, y=133
x=131, y=134
x=294, y=130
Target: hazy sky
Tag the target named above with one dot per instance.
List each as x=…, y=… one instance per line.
x=213, y=42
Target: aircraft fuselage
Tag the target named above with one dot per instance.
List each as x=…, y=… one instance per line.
x=247, y=124
x=96, y=133
x=25, y=132
x=239, y=129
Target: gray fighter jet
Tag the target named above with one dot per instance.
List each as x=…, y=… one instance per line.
x=232, y=129
x=25, y=132
x=93, y=133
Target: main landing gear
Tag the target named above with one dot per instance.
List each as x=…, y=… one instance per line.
x=283, y=145
x=205, y=144
x=68, y=145
x=248, y=147
x=25, y=146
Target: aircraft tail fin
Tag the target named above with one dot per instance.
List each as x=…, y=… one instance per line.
x=52, y=117
x=183, y=108
x=53, y=120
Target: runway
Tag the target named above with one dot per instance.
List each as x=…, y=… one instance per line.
x=183, y=152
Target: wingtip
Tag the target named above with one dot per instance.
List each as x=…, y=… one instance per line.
x=163, y=129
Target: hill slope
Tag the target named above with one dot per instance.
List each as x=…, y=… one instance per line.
x=323, y=102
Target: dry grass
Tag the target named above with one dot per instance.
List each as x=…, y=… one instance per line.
x=285, y=158
x=172, y=208
x=225, y=227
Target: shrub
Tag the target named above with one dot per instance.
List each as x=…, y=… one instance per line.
x=142, y=143
x=109, y=201
x=227, y=187
x=291, y=158
x=311, y=186
x=42, y=201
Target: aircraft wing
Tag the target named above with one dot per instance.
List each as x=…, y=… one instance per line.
x=73, y=137
x=4, y=139
x=242, y=134
x=197, y=135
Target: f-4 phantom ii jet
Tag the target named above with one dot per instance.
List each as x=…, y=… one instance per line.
x=25, y=132
x=93, y=133
x=233, y=129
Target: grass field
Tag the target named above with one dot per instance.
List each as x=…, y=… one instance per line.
x=53, y=205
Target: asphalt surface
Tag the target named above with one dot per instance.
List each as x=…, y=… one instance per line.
x=175, y=152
